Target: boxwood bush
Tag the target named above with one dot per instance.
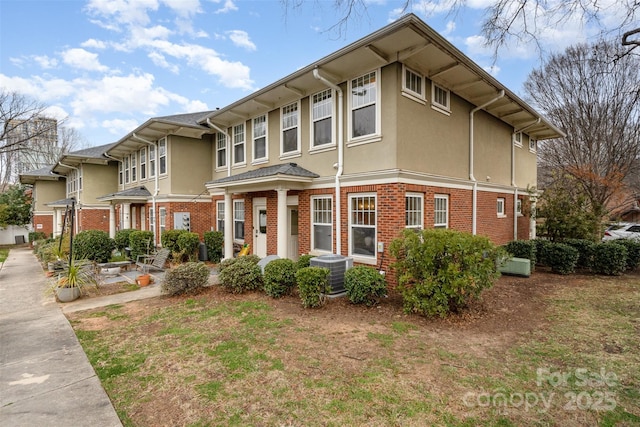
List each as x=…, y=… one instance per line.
x=542, y=253
x=34, y=236
x=169, y=239
x=561, y=258
x=94, y=245
x=609, y=258
x=523, y=249
x=313, y=286
x=187, y=278
x=122, y=238
x=633, y=252
x=585, y=251
x=187, y=243
x=279, y=277
x=214, y=241
x=364, y=285
x=440, y=271
x=239, y=275
x=304, y=261
x=140, y=243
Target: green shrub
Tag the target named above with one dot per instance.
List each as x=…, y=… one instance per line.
x=522, y=249
x=140, y=242
x=94, y=245
x=214, y=240
x=34, y=236
x=585, y=251
x=561, y=258
x=304, y=261
x=169, y=239
x=364, y=285
x=609, y=258
x=313, y=285
x=122, y=238
x=188, y=245
x=279, y=277
x=239, y=275
x=440, y=271
x=633, y=252
x=542, y=254
x=187, y=278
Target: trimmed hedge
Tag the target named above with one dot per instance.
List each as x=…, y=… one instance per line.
x=585, y=251
x=214, y=240
x=633, y=252
x=542, y=253
x=239, y=275
x=561, y=258
x=169, y=239
x=34, y=236
x=523, y=249
x=304, y=261
x=94, y=245
x=187, y=278
x=609, y=258
x=313, y=285
x=364, y=285
x=140, y=242
x=279, y=277
x=122, y=238
x=188, y=244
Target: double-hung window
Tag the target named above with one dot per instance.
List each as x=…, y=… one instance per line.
x=413, y=211
x=322, y=223
x=143, y=163
x=321, y=115
x=162, y=155
x=500, y=207
x=238, y=144
x=238, y=219
x=162, y=214
x=152, y=161
x=517, y=139
x=413, y=83
x=362, y=225
x=519, y=207
x=290, y=129
x=364, y=109
x=441, y=211
x=134, y=167
x=260, y=138
x=220, y=216
x=533, y=145
x=126, y=170
x=120, y=173
x=221, y=150
x=440, y=98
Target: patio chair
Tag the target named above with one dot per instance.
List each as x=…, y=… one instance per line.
x=153, y=262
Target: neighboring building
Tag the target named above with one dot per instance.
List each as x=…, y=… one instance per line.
x=163, y=165
x=46, y=187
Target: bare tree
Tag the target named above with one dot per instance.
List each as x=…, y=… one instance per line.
x=596, y=102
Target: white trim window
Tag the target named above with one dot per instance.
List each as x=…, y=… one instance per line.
x=519, y=207
x=239, y=153
x=220, y=216
x=322, y=223
x=120, y=173
x=322, y=119
x=143, y=163
x=238, y=219
x=74, y=182
x=152, y=218
x=533, y=145
x=221, y=150
x=260, y=144
x=517, y=139
x=162, y=156
x=412, y=83
x=162, y=214
x=152, y=161
x=500, y=207
x=290, y=136
x=134, y=167
x=364, y=118
x=441, y=211
x=362, y=225
x=126, y=169
x=440, y=98
x=414, y=210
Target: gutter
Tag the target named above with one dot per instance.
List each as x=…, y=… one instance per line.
x=513, y=176
x=228, y=142
x=340, y=164
x=157, y=189
x=474, y=203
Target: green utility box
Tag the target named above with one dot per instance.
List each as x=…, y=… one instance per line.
x=516, y=267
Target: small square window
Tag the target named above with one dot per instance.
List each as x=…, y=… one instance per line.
x=413, y=83
x=440, y=98
x=519, y=207
x=517, y=139
x=500, y=206
x=533, y=145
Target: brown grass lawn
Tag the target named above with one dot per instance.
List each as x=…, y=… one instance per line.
x=547, y=350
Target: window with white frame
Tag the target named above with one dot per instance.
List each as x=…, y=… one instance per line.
x=238, y=219
x=260, y=138
x=143, y=163
x=220, y=216
x=533, y=145
x=221, y=150
x=134, y=167
x=519, y=207
x=362, y=225
x=152, y=161
x=238, y=144
x=441, y=211
x=363, y=101
x=440, y=97
x=517, y=139
x=413, y=211
x=322, y=223
x=74, y=181
x=321, y=116
x=126, y=170
x=413, y=83
x=152, y=218
x=162, y=214
x=500, y=206
x=162, y=156
x=290, y=129
x=120, y=173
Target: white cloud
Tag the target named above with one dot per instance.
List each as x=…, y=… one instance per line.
x=119, y=127
x=450, y=28
x=160, y=60
x=241, y=38
x=45, y=62
x=110, y=13
x=229, y=6
x=94, y=44
x=56, y=112
x=83, y=59
x=494, y=70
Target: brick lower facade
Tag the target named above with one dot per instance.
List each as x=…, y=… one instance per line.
x=43, y=223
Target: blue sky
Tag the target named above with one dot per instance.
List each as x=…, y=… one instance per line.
x=109, y=65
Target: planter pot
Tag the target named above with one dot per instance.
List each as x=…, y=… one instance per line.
x=67, y=294
x=143, y=280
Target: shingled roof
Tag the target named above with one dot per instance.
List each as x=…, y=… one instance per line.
x=286, y=169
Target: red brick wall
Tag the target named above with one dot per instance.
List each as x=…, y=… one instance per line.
x=93, y=219
x=47, y=224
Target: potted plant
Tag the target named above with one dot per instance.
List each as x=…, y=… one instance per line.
x=57, y=254
x=72, y=279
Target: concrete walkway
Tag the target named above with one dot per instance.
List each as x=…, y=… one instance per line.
x=45, y=377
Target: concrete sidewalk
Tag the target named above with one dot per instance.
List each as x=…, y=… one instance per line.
x=45, y=377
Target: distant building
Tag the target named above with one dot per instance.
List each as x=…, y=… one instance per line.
x=38, y=141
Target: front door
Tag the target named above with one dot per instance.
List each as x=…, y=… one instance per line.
x=260, y=226
x=293, y=249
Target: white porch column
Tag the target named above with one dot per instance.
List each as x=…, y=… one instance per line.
x=228, y=226
x=57, y=222
x=282, y=223
x=112, y=221
x=127, y=215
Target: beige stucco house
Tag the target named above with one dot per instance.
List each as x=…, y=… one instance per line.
x=46, y=187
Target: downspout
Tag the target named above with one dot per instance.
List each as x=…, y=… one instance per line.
x=75, y=225
x=513, y=177
x=228, y=147
x=340, y=164
x=112, y=207
x=474, y=202
x=157, y=189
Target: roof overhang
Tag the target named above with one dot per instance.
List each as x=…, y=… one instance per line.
x=130, y=195
x=408, y=40
x=261, y=184
x=31, y=179
x=62, y=203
